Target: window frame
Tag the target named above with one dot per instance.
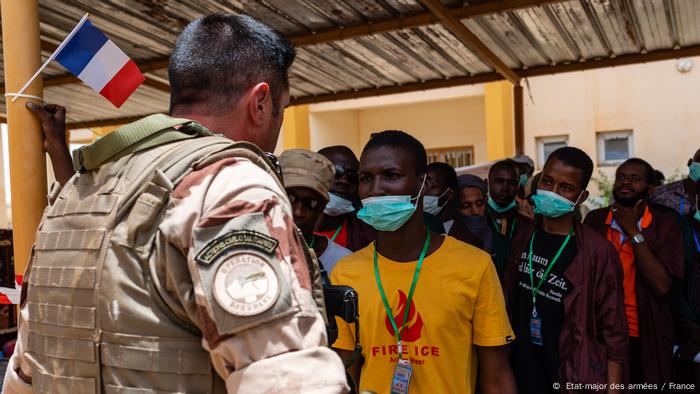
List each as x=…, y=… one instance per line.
x=602, y=136
x=541, y=141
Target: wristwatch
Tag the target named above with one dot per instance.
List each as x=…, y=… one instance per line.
x=637, y=239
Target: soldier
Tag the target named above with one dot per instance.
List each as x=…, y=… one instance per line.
x=170, y=261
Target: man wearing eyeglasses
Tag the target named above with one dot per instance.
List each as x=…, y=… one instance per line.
x=338, y=221
x=307, y=178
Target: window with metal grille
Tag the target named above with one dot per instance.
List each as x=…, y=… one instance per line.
x=458, y=156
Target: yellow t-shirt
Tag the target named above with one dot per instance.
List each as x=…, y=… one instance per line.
x=458, y=302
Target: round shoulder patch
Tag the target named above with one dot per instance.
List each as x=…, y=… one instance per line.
x=246, y=285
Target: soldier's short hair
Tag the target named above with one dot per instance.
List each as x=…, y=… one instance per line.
x=218, y=57
x=400, y=140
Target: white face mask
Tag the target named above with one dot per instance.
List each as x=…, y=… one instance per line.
x=430, y=203
x=338, y=206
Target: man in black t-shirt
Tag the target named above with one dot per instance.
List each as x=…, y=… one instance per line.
x=564, y=287
x=539, y=364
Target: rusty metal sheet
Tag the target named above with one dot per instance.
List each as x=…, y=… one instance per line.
x=395, y=53
x=376, y=61
x=507, y=32
x=340, y=79
x=687, y=14
x=575, y=22
x=367, y=75
x=421, y=47
x=654, y=24
x=455, y=49
x=616, y=24
x=545, y=32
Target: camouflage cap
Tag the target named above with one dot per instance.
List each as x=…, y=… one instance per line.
x=304, y=168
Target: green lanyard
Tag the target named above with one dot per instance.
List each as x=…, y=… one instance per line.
x=410, y=292
x=313, y=241
x=549, y=267
x=336, y=233
x=512, y=227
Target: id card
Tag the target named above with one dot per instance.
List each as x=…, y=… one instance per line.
x=535, y=328
x=402, y=378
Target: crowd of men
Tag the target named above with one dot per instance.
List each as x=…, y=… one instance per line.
x=574, y=288
x=205, y=279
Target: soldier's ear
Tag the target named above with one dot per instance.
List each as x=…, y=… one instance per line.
x=260, y=103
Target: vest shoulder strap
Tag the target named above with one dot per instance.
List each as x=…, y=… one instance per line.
x=146, y=133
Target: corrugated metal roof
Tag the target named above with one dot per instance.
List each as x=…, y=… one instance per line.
x=530, y=37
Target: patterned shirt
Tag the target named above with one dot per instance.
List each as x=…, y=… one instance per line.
x=673, y=196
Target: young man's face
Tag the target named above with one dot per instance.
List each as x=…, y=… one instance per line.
x=435, y=185
x=631, y=184
x=471, y=201
x=307, y=206
x=388, y=171
x=562, y=179
x=344, y=185
x=503, y=185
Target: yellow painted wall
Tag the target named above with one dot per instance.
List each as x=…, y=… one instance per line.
x=437, y=124
x=295, y=129
x=329, y=128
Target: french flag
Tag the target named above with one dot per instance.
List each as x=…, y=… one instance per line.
x=97, y=61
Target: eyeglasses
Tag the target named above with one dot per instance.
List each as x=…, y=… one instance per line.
x=348, y=173
x=309, y=203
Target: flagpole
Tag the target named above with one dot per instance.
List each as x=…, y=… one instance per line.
x=52, y=57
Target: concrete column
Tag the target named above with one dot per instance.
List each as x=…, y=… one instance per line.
x=22, y=57
x=296, y=132
x=498, y=105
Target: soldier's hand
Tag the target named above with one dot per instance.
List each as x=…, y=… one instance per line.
x=53, y=123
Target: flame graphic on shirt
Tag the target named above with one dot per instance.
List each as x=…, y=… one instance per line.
x=412, y=330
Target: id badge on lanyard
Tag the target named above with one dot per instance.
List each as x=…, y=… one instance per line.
x=535, y=327
x=535, y=319
x=403, y=370
x=402, y=377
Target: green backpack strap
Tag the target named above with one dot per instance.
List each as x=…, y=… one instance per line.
x=146, y=133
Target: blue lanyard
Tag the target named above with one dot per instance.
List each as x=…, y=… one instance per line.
x=697, y=243
x=683, y=206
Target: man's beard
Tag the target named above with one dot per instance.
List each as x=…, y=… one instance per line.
x=629, y=201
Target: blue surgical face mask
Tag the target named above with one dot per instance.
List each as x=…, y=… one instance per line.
x=388, y=213
x=694, y=173
x=523, y=180
x=338, y=206
x=551, y=204
x=494, y=205
x=430, y=203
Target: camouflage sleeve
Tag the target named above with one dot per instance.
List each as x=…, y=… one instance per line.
x=246, y=286
x=13, y=383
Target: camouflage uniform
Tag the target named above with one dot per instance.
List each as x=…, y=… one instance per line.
x=222, y=284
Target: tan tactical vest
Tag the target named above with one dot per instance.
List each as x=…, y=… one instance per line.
x=96, y=322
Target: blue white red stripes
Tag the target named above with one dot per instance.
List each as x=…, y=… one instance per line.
x=96, y=60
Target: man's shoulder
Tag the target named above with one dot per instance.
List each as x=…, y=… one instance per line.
x=672, y=187
x=462, y=256
x=354, y=264
x=597, y=215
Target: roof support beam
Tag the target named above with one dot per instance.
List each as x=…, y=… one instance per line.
x=470, y=40
x=622, y=60
x=416, y=20
x=420, y=19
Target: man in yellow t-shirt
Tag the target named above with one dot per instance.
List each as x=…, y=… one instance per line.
x=455, y=315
